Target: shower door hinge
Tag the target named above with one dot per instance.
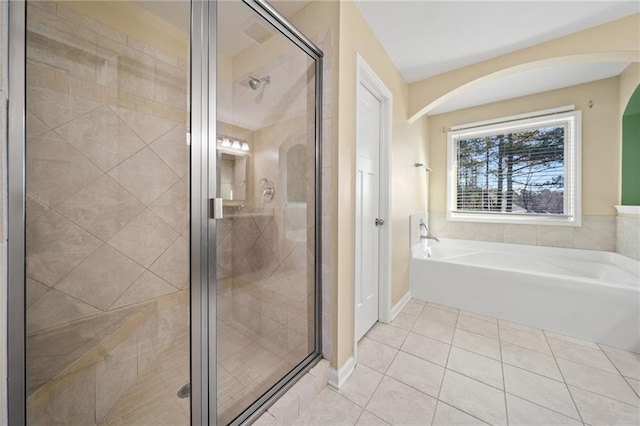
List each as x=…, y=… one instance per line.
x=215, y=208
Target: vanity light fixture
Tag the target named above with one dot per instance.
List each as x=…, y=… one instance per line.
x=225, y=143
x=235, y=145
x=245, y=146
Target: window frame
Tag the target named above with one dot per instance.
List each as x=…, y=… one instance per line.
x=572, y=164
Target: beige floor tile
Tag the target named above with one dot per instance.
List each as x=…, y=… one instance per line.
x=611, y=385
x=434, y=330
x=635, y=384
x=627, y=365
x=525, y=413
x=481, y=368
x=375, y=355
x=473, y=325
x=533, y=341
x=477, y=343
x=599, y=410
x=361, y=385
x=426, y=348
x=473, y=397
x=438, y=315
x=447, y=415
x=581, y=354
x=413, y=307
x=528, y=359
x=391, y=336
x=416, y=372
x=368, y=419
x=399, y=404
x=541, y=390
x=557, y=336
x=330, y=408
x=404, y=321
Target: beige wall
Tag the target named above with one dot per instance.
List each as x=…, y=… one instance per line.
x=600, y=167
x=409, y=184
x=614, y=41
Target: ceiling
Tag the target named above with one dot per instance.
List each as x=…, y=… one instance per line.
x=528, y=82
x=426, y=38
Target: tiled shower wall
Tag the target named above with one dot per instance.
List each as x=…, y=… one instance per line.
x=107, y=209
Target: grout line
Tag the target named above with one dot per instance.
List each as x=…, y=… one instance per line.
x=563, y=379
x=444, y=373
x=619, y=372
x=504, y=385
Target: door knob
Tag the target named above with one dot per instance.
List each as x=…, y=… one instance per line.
x=379, y=222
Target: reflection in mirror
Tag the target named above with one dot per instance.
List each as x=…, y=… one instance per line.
x=232, y=183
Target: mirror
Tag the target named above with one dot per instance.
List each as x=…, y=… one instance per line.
x=232, y=178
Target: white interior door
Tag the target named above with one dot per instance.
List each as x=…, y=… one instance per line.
x=367, y=210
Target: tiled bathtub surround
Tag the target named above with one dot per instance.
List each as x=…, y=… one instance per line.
x=596, y=232
x=628, y=236
x=435, y=365
x=107, y=212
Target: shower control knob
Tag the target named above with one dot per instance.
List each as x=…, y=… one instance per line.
x=379, y=222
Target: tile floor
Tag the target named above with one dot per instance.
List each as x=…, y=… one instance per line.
x=435, y=365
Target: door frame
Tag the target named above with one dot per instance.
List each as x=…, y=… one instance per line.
x=366, y=76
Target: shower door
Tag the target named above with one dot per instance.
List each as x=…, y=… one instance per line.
x=107, y=212
x=265, y=178
x=163, y=211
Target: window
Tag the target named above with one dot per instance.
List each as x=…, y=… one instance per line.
x=522, y=169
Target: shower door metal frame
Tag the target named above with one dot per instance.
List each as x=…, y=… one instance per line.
x=280, y=23
x=16, y=219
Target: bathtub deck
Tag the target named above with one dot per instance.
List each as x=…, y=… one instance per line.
x=438, y=365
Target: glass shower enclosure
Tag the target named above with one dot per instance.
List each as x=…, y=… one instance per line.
x=164, y=199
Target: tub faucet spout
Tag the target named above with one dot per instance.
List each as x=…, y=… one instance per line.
x=424, y=232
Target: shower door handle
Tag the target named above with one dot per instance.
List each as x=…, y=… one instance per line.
x=215, y=208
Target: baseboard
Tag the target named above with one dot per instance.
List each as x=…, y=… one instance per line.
x=339, y=376
x=401, y=304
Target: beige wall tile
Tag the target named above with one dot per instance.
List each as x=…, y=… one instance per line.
x=555, y=236
x=144, y=175
x=145, y=238
x=101, y=137
x=173, y=150
x=56, y=170
x=520, y=234
x=56, y=308
x=103, y=207
x=55, y=246
x=596, y=233
x=54, y=108
x=173, y=265
x=628, y=236
x=147, y=127
x=102, y=278
x=147, y=287
x=173, y=205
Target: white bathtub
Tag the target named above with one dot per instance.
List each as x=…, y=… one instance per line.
x=591, y=295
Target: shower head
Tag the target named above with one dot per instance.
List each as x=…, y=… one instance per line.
x=254, y=83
